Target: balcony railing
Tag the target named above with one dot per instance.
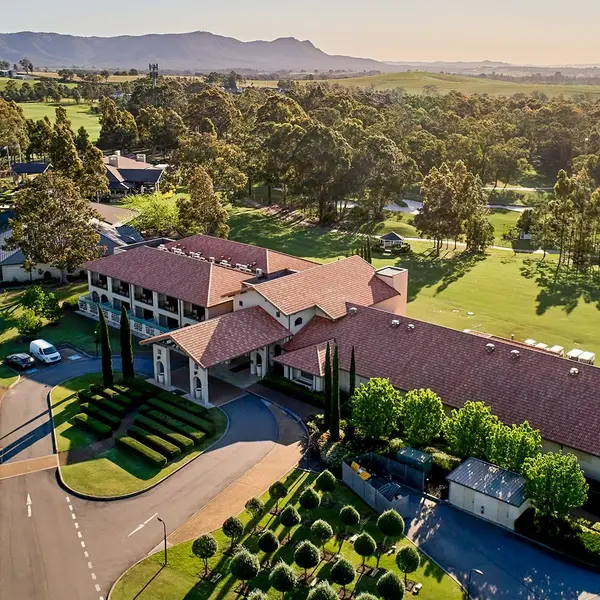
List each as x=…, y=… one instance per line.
x=122, y=290
x=144, y=299
x=99, y=283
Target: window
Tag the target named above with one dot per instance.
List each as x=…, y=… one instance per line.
x=49, y=350
x=306, y=376
x=277, y=313
x=240, y=303
x=298, y=321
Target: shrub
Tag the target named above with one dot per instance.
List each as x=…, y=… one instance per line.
x=294, y=390
x=349, y=516
x=233, y=528
x=278, y=491
x=182, y=415
x=176, y=425
x=408, y=560
x=390, y=586
x=309, y=499
x=95, y=411
x=326, y=481
x=322, y=591
x=257, y=595
x=123, y=400
x=343, y=572
x=422, y=416
x=113, y=407
x=282, y=578
x=289, y=517
x=84, y=395
x=108, y=393
x=178, y=439
x=307, y=556
x=135, y=395
x=28, y=323
x=88, y=422
x=268, y=542
x=442, y=460
x=33, y=298
x=150, y=456
x=256, y=507
x=205, y=547
x=391, y=525
x=51, y=309
x=153, y=441
x=365, y=546
x=375, y=409
x=245, y=565
x=366, y=596
x=184, y=404
x=322, y=532
x=96, y=389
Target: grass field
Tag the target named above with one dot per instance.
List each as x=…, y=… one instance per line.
x=508, y=293
x=413, y=83
x=180, y=579
x=78, y=113
x=7, y=376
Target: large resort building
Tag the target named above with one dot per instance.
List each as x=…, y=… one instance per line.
x=214, y=309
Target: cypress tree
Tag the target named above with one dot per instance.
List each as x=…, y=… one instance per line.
x=107, y=371
x=335, y=398
x=369, y=255
x=352, y=374
x=327, y=401
x=126, y=346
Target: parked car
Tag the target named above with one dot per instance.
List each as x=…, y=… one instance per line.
x=20, y=361
x=44, y=351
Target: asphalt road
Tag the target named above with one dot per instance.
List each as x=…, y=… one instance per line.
x=59, y=547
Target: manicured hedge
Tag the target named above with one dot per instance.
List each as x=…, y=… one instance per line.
x=96, y=389
x=180, y=440
x=177, y=425
x=88, y=422
x=184, y=404
x=154, y=441
x=182, y=415
x=124, y=400
x=136, y=396
x=84, y=395
x=94, y=410
x=294, y=390
x=153, y=457
x=108, y=393
x=113, y=407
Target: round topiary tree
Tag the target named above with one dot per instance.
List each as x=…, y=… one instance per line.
x=309, y=499
x=366, y=596
x=307, y=556
x=282, y=578
x=256, y=507
x=277, y=492
x=244, y=565
x=391, y=525
x=349, y=516
x=268, y=543
x=205, y=547
x=326, y=481
x=364, y=546
x=343, y=573
x=390, y=586
x=322, y=532
x=408, y=560
x=322, y=591
x=257, y=595
x=289, y=518
x=233, y=528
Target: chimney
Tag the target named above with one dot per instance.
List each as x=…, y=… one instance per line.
x=140, y=158
x=117, y=153
x=113, y=160
x=397, y=279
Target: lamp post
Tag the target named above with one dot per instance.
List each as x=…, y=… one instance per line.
x=164, y=536
x=96, y=339
x=470, y=579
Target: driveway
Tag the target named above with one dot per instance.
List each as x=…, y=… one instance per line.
x=513, y=568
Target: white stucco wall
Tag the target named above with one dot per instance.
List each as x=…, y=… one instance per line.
x=18, y=273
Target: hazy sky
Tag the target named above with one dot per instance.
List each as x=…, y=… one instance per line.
x=523, y=31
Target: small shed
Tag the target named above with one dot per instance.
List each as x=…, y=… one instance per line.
x=391, y=240
x=488, y=492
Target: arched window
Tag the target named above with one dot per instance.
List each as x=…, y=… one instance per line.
x=95, y=297
x=298, y=321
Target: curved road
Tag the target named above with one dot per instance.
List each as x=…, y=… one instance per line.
x=74, y=549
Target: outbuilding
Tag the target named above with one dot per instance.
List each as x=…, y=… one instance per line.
x=489, y=492
x=391, y=240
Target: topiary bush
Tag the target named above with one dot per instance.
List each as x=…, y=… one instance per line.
x=257, y=595
x=322, y=591
x=408, y=560
x=244, y=565
x=391, y=525
x=256, y=507
x=343, y=573
x=326, y=482
x=277, y=492
x=282, y=578
x=289, y=517
x=390, y=586
x=268, y=542
x=154, y=441
x=309, y=499
x=233, y=528
x=349, y=516
x=190, y=432
x=180, y=440
x=307, y=556
x=152, y=457
x=205, y=547
x=365, y=546
x=88, y=422
x=322, y=532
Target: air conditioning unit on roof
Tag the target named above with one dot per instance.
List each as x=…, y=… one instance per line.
x=259, y=272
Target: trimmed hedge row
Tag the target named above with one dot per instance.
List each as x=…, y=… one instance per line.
x=94, y=410
x=115, y=408
x=182, y=441
x=176, y=425
x=182, y=415
x=154, y=441
x=88, y=422
x=294, y=390
x=154, y=458
x=184, y=404
x=124, y=400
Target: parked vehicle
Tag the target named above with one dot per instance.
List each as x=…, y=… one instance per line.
x=20, y=361
x=44, y=351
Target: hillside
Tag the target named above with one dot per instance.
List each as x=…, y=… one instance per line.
x=197, y=51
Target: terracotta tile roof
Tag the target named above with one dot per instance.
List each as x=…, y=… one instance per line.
x=536, y=386
x=229, y=336
x=327, y=286
x=312, y=358
x=182, y=277
x=235, y=252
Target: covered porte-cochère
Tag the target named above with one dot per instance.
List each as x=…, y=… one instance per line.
x=237, y=347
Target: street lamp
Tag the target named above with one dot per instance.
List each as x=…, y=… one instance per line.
x=96, y=332
x=470, y=578
x=164, y=535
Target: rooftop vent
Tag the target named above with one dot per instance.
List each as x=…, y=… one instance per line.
x=410, y=326
x=514, y=354
x=574, y=372
x=163, y=248
x=353, y=310
x=489, y=348
x=395, y=323
x=259, y=272
x=211, y=259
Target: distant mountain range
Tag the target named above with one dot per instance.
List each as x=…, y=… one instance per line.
x=197, y=51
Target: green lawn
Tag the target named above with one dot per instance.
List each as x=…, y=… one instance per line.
x=79, y=114
x=72, y=329
x=147, y=581
x=7, y=376
x=508, y=293
x=114, y=472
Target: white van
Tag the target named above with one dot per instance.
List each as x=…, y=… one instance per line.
x=44, y=351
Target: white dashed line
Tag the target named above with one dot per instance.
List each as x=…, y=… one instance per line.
x=90, y=565
x=83, y=544
x=73, y=516
x=94, y=576
x=101, y=598
x=98, y=588
x=76, y=525
x=86, y=554
x=79, y=535
x=70, y=507
x=68, y=499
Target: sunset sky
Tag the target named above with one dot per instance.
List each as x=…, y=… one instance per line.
x=545, y=32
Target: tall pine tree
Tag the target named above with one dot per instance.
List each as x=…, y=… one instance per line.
x=327, y=400
x=335, y=398
x=126, y=346
x=107, y=370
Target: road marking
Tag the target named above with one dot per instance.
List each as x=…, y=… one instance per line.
x=90, y=565
x=70, y=507
x=73, y=516
x=28, y=505
x=150, y=519
x=101, y=598
x=98, y=588
x=94, y=576
x=79, y=535
x=142, y=525
x=86, y=554
x=68, y=500
x=76, y=525
x=83, y=544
